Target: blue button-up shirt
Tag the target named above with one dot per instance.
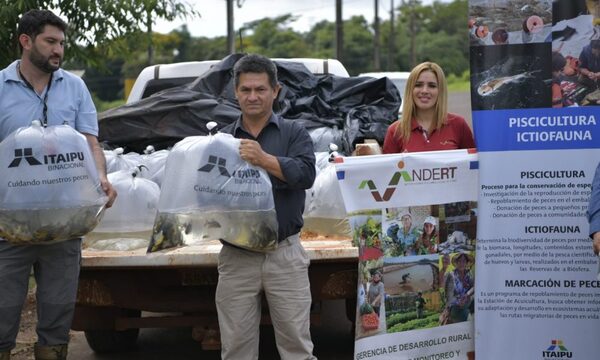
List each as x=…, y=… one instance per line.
x=291, y=144
x=68, y=101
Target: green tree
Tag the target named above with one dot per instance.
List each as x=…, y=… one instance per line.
x=274, y=37
x=358, y=45
x=450, y=18
x=321, y=39
x=91, y=23
x=435, y=33
x=203, y=48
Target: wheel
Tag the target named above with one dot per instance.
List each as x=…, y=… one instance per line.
x=109, y=340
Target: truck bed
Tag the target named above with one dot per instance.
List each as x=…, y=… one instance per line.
x=205, y=255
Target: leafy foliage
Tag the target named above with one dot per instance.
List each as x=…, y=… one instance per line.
x=425, y=323
x=400, y=318
x=369, y=232
x=92, y=24
x=103, y=39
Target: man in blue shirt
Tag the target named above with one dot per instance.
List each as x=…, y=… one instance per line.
x=589, y=64
x=284, y=149
x=594, y=211
x=35, y=88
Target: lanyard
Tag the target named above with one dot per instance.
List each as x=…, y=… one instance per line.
x=45, y=109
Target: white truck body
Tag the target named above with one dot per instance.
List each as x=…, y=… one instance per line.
x=162, y=76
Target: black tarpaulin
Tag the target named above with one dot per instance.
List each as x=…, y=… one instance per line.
x=360, y=107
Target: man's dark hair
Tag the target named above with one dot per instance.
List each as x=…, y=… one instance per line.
x=32, y=23
x=595, y=44
x=254, y=63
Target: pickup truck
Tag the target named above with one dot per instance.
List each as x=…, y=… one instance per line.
x=123, y=291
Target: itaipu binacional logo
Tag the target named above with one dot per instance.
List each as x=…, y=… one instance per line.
x=245, y=175
x=557, y=350
x=422, y=175
x=218, y=162
x=53, y=161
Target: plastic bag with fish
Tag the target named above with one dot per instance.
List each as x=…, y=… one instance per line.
x=209, y=192
x=49, y=185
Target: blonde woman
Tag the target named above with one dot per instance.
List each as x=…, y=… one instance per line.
x=425, y=124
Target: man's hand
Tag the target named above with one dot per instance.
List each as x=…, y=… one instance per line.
x=596, y=242
x=251, y=152
x=109, y=191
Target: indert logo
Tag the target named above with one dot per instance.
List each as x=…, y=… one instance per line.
x=422, y=175
x=557, y=351
x=27, y=154
x=389, y=191
x=215, y=161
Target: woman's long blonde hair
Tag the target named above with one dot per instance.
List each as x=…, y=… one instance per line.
x=408, y=105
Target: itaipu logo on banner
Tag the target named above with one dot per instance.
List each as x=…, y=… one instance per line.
x=557, y=350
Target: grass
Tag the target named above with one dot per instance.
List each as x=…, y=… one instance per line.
x=459, y=86
x=459, y=83
x=105, y=105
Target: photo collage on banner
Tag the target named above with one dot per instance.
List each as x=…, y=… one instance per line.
x=416, y=271
x=535, y=91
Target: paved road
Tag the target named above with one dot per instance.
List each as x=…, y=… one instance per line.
x=333, y=339
x=460, y=103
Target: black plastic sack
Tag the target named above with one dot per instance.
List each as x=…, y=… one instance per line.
x=315, y=100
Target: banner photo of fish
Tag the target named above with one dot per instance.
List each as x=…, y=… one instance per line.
x=534, y=54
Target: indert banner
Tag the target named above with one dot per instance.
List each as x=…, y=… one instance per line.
x=535, y=77
x=414, y=219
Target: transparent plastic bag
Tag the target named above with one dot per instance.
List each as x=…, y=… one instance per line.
x=209, y=192
x=324, y=211
x=155, y=162
x=326, y=196
x=116, y=160
x=135, y=208
x=49, y=186
x=322, y=137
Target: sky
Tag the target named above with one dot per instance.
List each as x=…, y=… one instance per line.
x=213, y=20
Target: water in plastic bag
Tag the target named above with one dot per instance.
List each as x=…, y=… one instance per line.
x=324, y=209
x=209, y=192
x=49, y=185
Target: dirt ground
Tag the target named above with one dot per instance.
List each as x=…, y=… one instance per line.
x=27, y=336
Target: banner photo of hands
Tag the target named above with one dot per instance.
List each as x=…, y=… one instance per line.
x=414, y=219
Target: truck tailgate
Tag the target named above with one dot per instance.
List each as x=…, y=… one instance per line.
x=319, y=250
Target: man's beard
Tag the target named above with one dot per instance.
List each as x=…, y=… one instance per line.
x=42, y=62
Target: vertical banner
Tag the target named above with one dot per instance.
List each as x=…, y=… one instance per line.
x=414, y=219
x=535, y=76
